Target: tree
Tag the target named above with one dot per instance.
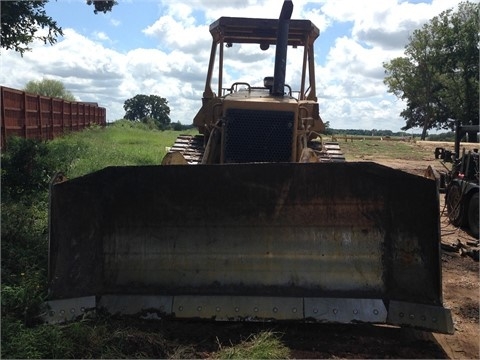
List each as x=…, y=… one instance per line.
x=21, y=21
x=148, y=107
x=328, y=129
x=102, y=5
x=50, y=88
x=178, y=126
x=438, y=77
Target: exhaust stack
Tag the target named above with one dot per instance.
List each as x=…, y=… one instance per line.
x=281, y=49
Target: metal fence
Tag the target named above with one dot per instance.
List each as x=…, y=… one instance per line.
x=38, y=117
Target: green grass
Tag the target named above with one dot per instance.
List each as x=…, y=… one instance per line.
x=118, y=145
x=365, y=148
x=264, y=345
x=124, y=144
x=101, y=338
x=127, y=144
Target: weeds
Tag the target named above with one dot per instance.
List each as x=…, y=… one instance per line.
x=264, y=345
x=41, y=342
x=128, y=144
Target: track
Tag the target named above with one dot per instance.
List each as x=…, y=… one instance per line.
x=326, y=151
x=192, y=149
x=190, y=146
x=333, y=151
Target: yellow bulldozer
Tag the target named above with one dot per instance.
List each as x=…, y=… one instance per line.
x=265, y=221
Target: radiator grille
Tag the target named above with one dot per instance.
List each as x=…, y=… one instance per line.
x=258, y=136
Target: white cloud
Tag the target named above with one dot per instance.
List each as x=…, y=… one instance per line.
x=100, y=35
x=115, y=22
x=175, y=34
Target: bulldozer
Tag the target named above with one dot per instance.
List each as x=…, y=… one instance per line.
x=256, y=218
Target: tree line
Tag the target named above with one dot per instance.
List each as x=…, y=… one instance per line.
x=363, y=132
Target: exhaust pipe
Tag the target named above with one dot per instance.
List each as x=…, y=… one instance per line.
x=281, y=49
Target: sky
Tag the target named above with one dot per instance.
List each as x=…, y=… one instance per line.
x=162, y=47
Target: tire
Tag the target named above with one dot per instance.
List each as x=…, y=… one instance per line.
x=455, y=205
x=473, y=215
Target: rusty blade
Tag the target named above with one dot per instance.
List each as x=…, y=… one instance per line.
x=322, y=230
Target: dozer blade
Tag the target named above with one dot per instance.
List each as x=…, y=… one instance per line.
x=333, y=242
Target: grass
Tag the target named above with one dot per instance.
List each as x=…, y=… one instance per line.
x=365, y=148
x=101, y=338
x=125, y=145
x=264, y=345
x=118, y=145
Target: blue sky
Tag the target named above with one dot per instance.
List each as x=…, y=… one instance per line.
x=161, y=47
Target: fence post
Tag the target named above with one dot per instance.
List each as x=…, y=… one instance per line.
x=72, y=105
x=63, y=116
x=39, y=103
x=51, y=120
x=84, y=116
x=2, y=120
x=25, y=115
x=79, y=122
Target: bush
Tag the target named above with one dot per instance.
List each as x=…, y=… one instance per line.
x=24, y=169
x=28, y=166
x=124, y=123
x=42, y=342
x=447, y=136
x=24, y=238
x=27, y=169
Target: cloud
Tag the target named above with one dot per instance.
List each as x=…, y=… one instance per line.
x=115, y=22
x=100, y=35
x=172, y=33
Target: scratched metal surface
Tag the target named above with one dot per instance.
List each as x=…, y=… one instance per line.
x=332, y=229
